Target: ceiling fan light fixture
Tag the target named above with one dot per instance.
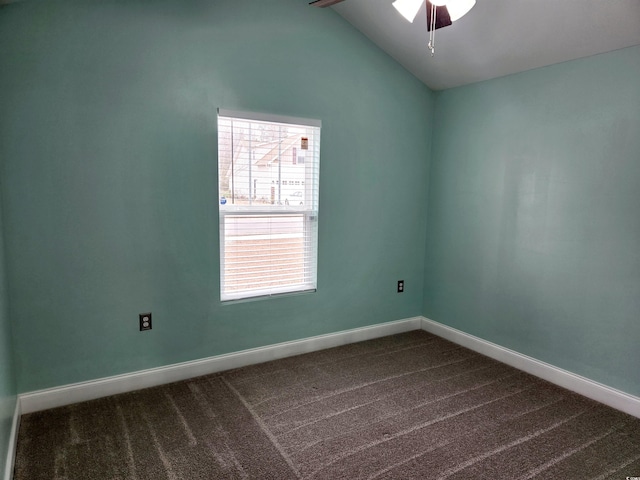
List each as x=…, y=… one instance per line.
x=408, y=8
x=459, y=8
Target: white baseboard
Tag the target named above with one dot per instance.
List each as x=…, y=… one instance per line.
x=576, y=383
x=80, y=392
x=13, y=442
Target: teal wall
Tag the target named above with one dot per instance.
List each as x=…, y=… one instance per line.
x=7, y=373
x=108, y=140
x=533, y=228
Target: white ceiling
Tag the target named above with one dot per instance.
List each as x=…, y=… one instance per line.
x=497, y=37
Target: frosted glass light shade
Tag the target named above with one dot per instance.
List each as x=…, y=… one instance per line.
x=408, y=8
x=459, y=8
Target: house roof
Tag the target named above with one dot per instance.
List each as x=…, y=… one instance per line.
x=276, y=150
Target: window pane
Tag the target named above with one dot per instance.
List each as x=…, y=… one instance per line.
x=266, y=252
x=259, y=163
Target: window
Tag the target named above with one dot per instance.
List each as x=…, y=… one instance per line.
x=268, y=226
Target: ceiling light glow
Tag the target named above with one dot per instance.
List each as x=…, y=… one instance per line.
x=458, y=8
x=408, y=8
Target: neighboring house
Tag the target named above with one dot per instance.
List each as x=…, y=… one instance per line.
x=273, y=173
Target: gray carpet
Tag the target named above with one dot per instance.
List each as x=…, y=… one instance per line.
x=405, y=406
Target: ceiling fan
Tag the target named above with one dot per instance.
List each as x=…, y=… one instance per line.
x=440, y=13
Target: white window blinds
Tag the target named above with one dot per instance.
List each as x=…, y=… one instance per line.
x=268, y=170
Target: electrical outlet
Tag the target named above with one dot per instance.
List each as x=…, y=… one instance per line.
x=400, y=286
x=145, y=321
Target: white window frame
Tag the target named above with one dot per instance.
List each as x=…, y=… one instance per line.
x=309, y=212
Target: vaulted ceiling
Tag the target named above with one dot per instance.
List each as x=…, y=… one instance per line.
x=497, y=37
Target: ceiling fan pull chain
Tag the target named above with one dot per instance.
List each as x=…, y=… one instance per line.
x=432, y=33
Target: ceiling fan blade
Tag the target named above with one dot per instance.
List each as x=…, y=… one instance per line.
x=442, y=17
x=325, y=3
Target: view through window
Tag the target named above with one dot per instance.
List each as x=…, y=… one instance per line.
x=268, y=168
